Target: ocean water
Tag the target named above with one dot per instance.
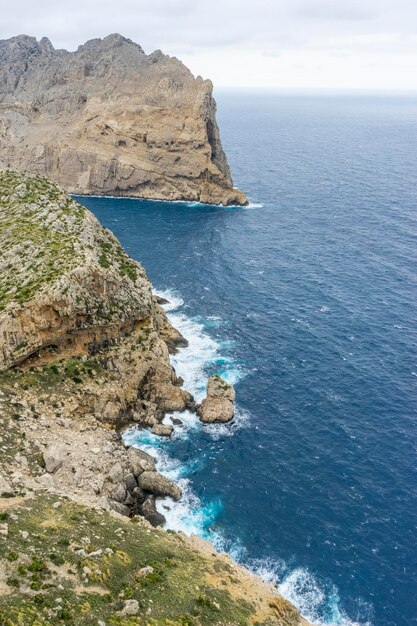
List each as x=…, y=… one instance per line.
x=306, y=300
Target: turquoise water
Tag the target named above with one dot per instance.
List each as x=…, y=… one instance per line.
x=306, y=300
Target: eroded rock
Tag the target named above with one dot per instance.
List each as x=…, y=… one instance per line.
x=159, y=485
x=218, y=406
x=163, y=430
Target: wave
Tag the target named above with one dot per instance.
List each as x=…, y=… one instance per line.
x=192, y=516
x=188, y=203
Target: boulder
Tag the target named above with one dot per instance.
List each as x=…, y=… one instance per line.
x=131, y=607
x=163, y=430
x=118, y=493
x=149, y=512
x=140, y=461
x=218, y=405
x=116, y=473
x=130, y=482
x=138, y=494
x=144, y=571
x=159, y=485
x=54, y=457
x=161, y=300
x=122, y=509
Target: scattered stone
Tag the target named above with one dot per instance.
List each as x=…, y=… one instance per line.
x=47, y=481
x=5, y=486
x=118, y=493
x=116, y=473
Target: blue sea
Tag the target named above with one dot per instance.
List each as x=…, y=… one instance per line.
x=306, y=301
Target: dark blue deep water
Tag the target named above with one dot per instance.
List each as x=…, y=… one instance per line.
x=308, y=299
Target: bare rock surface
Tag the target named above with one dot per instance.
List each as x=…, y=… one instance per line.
x=81, y=352
x=110, y=119
x=218, y=405
x=159, y=485
x=163, y=430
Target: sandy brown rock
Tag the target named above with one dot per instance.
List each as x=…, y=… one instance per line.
x=218, y=405
x=68, y=290
x=109, y=119
x=163, y=430
x=158, y=485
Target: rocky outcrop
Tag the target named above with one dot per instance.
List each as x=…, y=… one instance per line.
x=110, y=119
x=218, y=405
x=69, y=291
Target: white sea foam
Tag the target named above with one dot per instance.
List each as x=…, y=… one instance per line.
x=189, y=203
x=253, y=205
x=203, y=352
x=190, y=515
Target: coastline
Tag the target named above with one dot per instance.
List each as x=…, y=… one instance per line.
x=195, y=517
x=86, y=352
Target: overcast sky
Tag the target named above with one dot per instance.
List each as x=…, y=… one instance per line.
x=359, y=44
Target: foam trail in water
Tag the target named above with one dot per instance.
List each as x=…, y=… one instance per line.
x=190, y=515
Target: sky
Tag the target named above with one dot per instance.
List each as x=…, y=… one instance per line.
x=278, y=44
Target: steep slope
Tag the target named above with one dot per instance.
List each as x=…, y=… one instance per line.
x=109, y=119
x=83, y=351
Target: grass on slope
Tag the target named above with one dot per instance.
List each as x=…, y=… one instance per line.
x=62, y=563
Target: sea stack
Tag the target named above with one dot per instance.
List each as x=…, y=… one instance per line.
x=109, y=119
x=218, y=405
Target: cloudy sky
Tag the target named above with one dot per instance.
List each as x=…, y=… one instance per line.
x=313, y=44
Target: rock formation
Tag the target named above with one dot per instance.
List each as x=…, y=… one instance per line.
x=218, y=404
x=77, y=317
x=110, y=119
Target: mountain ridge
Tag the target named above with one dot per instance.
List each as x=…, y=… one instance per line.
x=108, y=119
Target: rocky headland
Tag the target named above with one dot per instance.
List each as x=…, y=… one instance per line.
x=84, y=352
x=110, y=119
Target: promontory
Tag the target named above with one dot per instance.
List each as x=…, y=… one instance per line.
x=109, y=119
x=84, y=350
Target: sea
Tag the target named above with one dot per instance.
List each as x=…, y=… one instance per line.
x=306, y=301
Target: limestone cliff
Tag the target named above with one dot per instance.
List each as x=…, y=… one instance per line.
x=84, y=349
x=68, y=289
x=109, y=119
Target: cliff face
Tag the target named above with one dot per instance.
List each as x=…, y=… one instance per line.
x=109, y=119
x=68, y=289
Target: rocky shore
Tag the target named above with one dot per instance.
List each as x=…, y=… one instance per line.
x=110, y=119
x=84, y=352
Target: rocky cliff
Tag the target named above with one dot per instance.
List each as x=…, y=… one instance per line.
x=110, y=119
x=85, y=350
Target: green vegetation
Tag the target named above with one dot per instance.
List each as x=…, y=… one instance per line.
x=40, y=230
x=48, y=377
x=37, y=235
x=80, y=566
